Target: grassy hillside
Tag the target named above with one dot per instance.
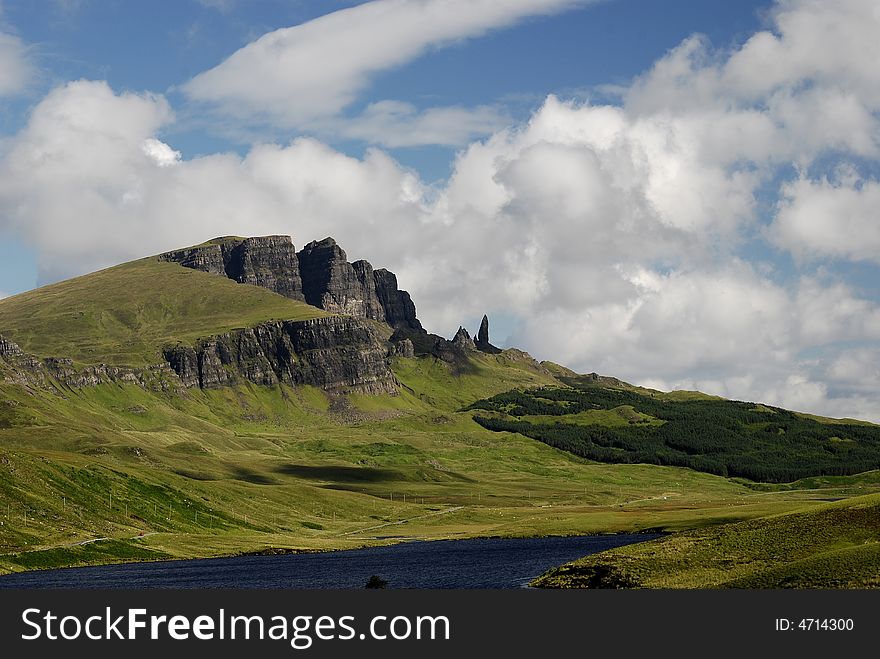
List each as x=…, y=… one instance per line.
x=125, y=314
x=117, y=473
x=730, y=438
x=130, y=472
x=836, y=545
x=251, y=468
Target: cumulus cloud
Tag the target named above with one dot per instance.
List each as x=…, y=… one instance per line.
x=857, y=369
x=89, y=183
x=299, y=76
x=836, y=218
x=159, y=152
x=787, y=94
x=16, y=69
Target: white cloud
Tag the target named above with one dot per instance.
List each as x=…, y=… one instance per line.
x=16, y=69
x=788, y=94
x=397, y=124
x=833, y=218
x=830, y=311
x=299, y=76
x=858, y=369
x=162, y=154
x=89, y=184
x=821, y=43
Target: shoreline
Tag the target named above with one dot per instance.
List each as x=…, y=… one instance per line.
x=288, y=551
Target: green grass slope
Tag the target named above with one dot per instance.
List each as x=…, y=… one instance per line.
x=124, y=315
x=129, y=472
x=836, y=545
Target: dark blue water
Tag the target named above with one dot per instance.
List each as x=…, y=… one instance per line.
x=481, y=563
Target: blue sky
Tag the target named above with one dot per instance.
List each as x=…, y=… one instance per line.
x=678, y=193
x=160, y=45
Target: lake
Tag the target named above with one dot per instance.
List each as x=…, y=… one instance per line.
x=477, y=563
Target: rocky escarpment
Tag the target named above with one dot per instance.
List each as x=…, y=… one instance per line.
x=335, y=285
x=267, y=261
x=320, y=274
x=24, y=369
x=333, y=353
x=331, y=283
x=400, y=311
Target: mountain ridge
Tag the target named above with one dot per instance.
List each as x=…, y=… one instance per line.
x=147, y=322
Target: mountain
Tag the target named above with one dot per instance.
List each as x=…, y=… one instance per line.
x=243, y=396
x=336, y=328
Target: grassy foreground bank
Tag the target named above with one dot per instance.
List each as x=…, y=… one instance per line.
x=834, y=545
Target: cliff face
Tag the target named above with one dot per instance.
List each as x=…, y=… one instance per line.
x=400, y=312
x=342, y=352
x=319, y=274
x=334, y=353
x=267, y=261
x=21, y=368
x=335, y=285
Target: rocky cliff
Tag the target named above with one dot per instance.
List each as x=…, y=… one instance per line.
x=267, y=261
x=346, y=351
x=335, y=285
x=400, y=312
x=24, y=369
x=320, y=274
x=333, y=353
x=336, y=353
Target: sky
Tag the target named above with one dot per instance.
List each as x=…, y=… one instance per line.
x=681, y=194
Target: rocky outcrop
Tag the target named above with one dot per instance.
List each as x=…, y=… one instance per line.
x=333, y=353
x=335, y=285
x=404, y=348
x=483, y=332
x=446, y=351
x=270, y=262
x=400, y=312
x=21, y=368
x=482, y=340
x=210, y=257
x=267, y=261
x=462, y=340
x=9, y=348
x=319, y=274
x=457, y=351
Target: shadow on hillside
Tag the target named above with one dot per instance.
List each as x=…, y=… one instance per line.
x=248, y=476
x=341, y=474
